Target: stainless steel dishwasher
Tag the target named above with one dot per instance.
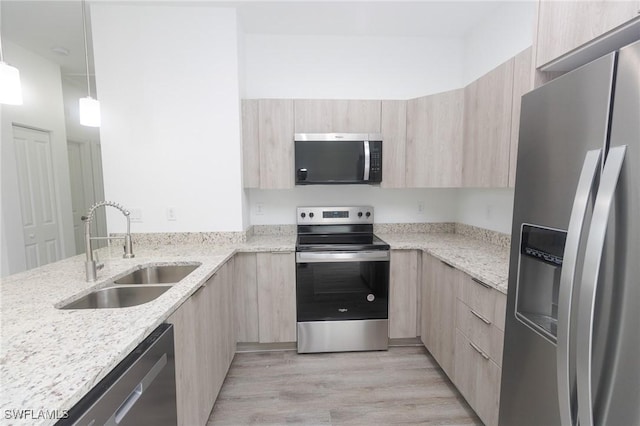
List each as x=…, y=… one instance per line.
x=141, y=390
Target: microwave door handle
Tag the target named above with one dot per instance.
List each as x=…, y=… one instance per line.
x=585, y=188
x=367, y=161
x=591, y=272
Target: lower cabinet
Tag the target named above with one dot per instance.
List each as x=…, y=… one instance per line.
x=403, y=294
x=463, y=328
x=276, y=279
x=265, y=297
x=205, y=344
x=439, y=289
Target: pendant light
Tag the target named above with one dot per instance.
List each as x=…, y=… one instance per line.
x=89, y=107
x=10, y=87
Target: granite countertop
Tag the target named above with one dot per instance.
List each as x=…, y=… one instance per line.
x=482, y=260
x=50, y=358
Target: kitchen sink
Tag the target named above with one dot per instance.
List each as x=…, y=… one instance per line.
x=118, y=297
x=162, y=274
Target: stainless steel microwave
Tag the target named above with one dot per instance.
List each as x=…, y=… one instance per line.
x=338, y=158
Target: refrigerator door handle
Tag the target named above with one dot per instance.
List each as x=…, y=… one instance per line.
x=570, y=257
x=591, y=272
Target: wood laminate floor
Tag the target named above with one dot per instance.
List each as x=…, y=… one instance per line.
x=401, y=386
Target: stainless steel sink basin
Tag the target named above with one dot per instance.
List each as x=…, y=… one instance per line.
x=162, y=274
x=118, y=297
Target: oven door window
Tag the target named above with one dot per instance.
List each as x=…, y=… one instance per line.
x=342, y=291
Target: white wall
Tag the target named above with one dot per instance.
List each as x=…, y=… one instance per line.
x=507, y=32
x=333, y=67
x=169, y=91
x=486, y=208
x=391, y=205
x=42, y=109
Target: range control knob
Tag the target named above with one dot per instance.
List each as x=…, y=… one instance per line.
x=310, y=214
x=368, y=214
x=303, y=214
x=359, y=214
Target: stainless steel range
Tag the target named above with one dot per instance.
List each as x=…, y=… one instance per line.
x=342, y=281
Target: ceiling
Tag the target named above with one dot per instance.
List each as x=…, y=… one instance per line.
x=40, y=26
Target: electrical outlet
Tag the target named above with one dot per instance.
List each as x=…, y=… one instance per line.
x=259, y=209
x=421, y=207
x=171, y=214
x=135, y=215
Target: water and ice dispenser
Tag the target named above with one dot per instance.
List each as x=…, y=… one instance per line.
x=539, y=268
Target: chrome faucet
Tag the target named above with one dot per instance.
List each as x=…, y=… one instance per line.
x=91, y=266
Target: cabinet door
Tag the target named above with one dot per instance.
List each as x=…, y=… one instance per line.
x=221, y=327
x=276, y=297
x=440, y=309
x=487, y=130
x=250, y=144
x=337, y=116
x=565, y=26
x=434, y=140
x=245, y=290
x=522, y=83
x=403, y=294
x=394, y=137
x=276, y=143
x=188, y=379
x=194, y=390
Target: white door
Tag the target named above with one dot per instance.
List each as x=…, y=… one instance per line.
x=37, y=196
x=85, y=173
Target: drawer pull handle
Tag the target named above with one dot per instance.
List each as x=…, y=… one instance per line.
x=477, y=349
x=483, y=284
x=480, y=317
x=448, y=264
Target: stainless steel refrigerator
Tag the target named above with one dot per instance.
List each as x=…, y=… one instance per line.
x=572, y=336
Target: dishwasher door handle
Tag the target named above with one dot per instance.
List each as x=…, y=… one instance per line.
x=137, y=392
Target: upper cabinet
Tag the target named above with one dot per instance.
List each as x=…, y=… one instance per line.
x=487, y=128
x=275, y=121
x=250, y=143
x=434, y=140
x=522, y=83
x=394, y=135
x=564, y=26
x=337, y=116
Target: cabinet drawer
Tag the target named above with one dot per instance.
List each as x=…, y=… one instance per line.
x=478, y=296
x=480, y=330
x=478, y=379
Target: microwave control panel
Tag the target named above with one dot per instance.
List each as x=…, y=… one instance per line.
x=375, y=173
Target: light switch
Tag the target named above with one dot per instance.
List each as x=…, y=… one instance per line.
x=135, y=215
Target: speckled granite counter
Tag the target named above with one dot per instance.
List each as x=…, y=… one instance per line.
x=485, y=261
x=50, y=358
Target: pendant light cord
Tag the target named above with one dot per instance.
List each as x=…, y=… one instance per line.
x=86, y=51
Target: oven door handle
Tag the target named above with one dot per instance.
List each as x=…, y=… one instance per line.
x=342, y=256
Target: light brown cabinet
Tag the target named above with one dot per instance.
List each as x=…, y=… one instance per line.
x=440, y=283
x=522, y=83
x=275, y=127
x=403, y=294
x=478, y=346
x=434, y=140
x=204, y=346
x=394, y=136
x=245, y=291
x=487, y=128
x=337, y=116
x=566, y=26
x=250, y=143
x=276, y=281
